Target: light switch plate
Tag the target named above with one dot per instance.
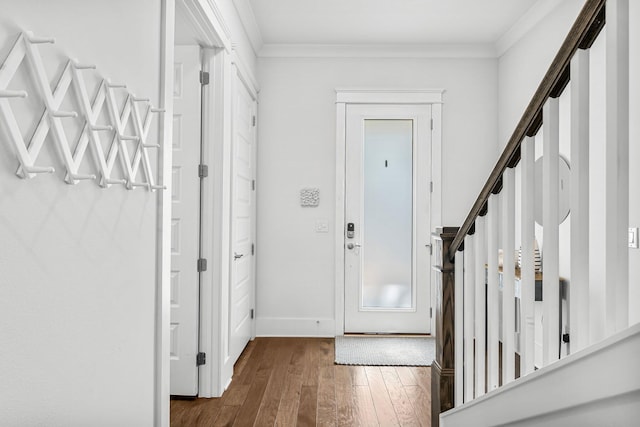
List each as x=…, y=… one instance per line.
x=633, y=237
x=322, y=226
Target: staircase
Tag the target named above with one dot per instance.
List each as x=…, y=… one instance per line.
x=514, y=344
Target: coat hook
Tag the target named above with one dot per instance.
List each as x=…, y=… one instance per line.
x=128, y=137
x=158, y=187
x=63, y=114
x=4, y=93
x=115, y=86
x=78, y=66
x=133, y=185
x=107, y=181
x=151, y=145
x=38, y=40
x=115, y=181
x=78, y=177
x=101, y=128
x=37, y=169
x=158, y=110
x=137, y=99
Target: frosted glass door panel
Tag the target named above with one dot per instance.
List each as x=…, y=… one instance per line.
x=388, y=214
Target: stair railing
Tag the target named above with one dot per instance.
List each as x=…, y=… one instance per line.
x=482, y=343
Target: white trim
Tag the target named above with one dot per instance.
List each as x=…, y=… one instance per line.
x=163, y=243
x=436, y=195
x=526, y=23
x=346, y=96
x=341, y=141
x=614, y=380
x=295, y=327
x=249, y=23
x=206, y=21
x=224, y=136
x=389, y=96
x=246, y=76
x=212, y=304
x=477, y=50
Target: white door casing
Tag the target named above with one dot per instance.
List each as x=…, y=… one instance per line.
x=410, y=257
x=351, y=96
x=185, y=233
x=241, y=295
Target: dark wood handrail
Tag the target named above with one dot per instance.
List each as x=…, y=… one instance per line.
x=582, y=34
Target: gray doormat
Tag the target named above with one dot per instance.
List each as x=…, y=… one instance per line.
x=385, y=351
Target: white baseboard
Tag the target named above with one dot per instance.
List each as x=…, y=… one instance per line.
x=294, y=327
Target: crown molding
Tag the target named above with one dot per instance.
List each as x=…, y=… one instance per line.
x=526, y=23
x=250, y=24
x=485, y=50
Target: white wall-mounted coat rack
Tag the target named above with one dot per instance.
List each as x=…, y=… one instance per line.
x=137, y=114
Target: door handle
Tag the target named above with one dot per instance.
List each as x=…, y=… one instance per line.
x=237, y=256
x=353, y=245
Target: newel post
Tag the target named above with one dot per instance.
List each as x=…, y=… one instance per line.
x=442, y=369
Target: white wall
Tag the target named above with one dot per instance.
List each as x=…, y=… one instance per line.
x=296, y=149
x=77, y=263
x=520, y=70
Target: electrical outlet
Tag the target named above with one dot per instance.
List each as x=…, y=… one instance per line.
x=633, y=237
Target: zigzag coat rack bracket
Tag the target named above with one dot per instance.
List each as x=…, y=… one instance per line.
x=136, y=114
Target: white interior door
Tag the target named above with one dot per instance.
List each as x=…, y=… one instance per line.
x=241, y=297
x=387, y=205
x=185, y=230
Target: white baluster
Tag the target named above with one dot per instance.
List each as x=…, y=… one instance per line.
x=617, y=166
x=527, y=272
x=579, y=287
x=551, y=251
x=493, y=315
x=459, y=328
x=508, y=219
x=469, y=315
x=481, y=311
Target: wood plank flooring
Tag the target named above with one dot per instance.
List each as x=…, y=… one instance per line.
x=294, y=382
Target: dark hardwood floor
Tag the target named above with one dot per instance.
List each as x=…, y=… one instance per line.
x=294, y=382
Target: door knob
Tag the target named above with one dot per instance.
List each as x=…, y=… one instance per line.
x=353, y=245
x=237, y=256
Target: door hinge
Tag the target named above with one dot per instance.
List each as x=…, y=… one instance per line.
x=201, y=359
x=253, y=249
x=251, y=313
x=431, y=186
x=430, y=311
x=204, y=78
x=203, y=171
x=431, y=124
x=253, y=121
x=253, y=184
x=202, y=265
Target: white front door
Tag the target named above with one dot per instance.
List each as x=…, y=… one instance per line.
x=241, y=296
x=185, y=222
x=387, y=205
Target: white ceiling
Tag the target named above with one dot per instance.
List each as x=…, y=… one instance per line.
x=487, y=23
